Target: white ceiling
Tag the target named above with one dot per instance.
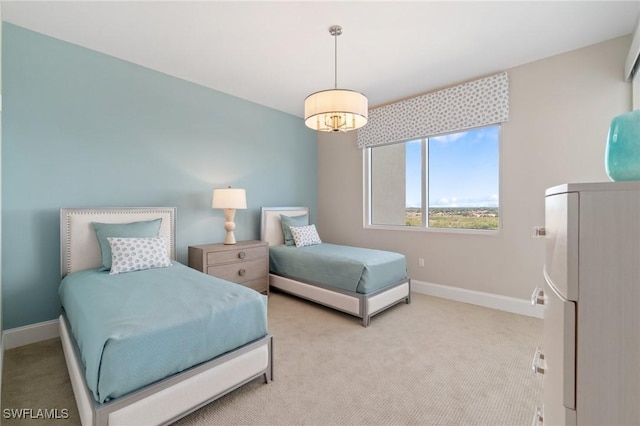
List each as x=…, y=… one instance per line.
x=275, y=53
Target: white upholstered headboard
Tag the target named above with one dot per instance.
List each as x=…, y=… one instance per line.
x=79, y=248
x=270, y=226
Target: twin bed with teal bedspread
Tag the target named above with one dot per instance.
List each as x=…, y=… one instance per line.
x=359, y=281
x=146, y=339
x=136, y=328
x=355, y=269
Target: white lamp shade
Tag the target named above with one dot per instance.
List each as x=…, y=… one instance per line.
x=229, y=198
x=336, y=110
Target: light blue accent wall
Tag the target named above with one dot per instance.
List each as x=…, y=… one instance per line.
x=84, y=129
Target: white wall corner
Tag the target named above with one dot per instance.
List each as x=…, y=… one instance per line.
x=28, y=334
x=488, y=300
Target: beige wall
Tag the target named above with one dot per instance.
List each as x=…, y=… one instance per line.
x=561, y=108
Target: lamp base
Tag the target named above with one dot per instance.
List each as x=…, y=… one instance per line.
x=229, y=226
x=230, y=238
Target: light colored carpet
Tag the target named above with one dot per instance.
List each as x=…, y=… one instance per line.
x=433, y=362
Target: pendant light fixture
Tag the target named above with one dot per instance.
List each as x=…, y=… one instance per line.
x=335, y=109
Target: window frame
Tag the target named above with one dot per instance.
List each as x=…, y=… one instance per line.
x=367, y=181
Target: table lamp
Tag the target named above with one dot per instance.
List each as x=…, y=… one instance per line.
x=229, y=199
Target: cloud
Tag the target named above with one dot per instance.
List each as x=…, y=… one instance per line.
x=485, y=201
x=445, y=139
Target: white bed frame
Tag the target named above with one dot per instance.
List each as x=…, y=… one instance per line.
x=360, y=305
x=168, y=400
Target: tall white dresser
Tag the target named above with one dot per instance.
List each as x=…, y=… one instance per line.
x=590, y=356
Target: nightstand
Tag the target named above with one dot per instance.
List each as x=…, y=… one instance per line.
x=245, y=263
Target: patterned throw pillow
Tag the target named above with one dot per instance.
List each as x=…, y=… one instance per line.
x=136, y=254
x=305, y=235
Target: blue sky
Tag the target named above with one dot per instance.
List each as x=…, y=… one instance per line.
x=463, y=169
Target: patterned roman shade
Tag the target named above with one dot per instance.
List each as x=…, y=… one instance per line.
x=473, y=104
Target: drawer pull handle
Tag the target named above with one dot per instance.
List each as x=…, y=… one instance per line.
x=538, y=365
x=241, y=272
x=242, y=255
x=538, y=297
x=538, y=418
x=539, y=231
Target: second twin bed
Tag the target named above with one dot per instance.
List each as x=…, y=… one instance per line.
x=359, y=281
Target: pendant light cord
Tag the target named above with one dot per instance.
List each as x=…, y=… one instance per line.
x=335, y=81
x=335, y=31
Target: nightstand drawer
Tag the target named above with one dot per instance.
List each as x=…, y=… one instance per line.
x=216, y=258
x=246, y=262
x=240, y=272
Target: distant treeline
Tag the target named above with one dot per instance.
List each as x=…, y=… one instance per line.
x=456, y=217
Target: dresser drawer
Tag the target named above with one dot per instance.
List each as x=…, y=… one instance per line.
x=246, y=254
x=240, y=272
x=562, y=243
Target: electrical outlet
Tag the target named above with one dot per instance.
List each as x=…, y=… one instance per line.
x=421, y=262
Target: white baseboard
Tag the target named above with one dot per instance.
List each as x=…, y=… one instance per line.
x=488, y=300
x=28, y=334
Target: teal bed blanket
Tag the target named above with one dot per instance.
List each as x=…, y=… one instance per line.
x=136, y=328
x=355, y=269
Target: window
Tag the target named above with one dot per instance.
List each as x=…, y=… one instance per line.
x=454, y=177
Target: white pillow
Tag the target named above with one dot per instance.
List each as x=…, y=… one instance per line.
x=305, y=235
x=136, y=254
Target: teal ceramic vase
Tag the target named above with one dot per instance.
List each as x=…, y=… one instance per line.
x=622, y=158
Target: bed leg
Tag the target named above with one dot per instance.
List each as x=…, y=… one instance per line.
x=268, y=374
x=366, y=320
